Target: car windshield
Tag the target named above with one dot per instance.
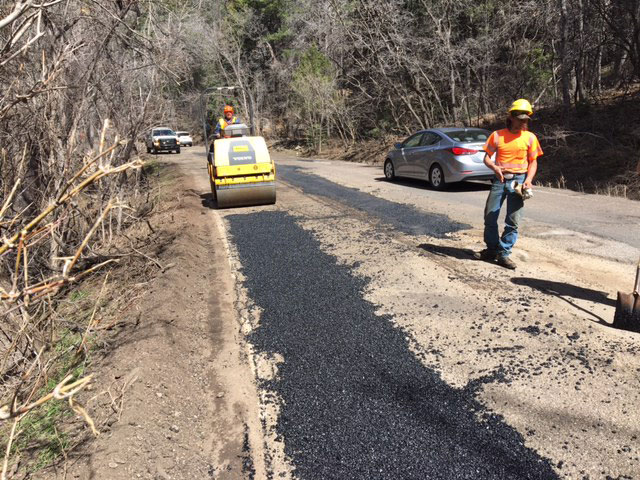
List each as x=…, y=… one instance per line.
x=469, y=135
x=182, y=134
x=163, y=131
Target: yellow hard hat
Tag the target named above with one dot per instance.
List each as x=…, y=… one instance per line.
x=521, y=105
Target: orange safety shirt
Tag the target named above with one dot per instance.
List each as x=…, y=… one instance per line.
x=513, y=151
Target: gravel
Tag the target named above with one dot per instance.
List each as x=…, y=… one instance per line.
x=356, y=403
x=405, y=218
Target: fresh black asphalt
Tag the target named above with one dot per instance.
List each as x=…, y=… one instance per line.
x=401, y=217
x=356, y=403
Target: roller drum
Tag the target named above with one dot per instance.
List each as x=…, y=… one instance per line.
x=246, y=195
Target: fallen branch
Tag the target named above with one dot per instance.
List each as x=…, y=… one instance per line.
x=64, y=390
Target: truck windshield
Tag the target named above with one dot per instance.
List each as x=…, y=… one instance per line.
x=163, y=132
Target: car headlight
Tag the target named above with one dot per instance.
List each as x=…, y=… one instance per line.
x=156, y=142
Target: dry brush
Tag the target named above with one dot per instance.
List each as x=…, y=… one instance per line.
x=80, y=81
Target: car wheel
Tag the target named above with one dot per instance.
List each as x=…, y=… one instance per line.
x=436, y=177
x=389, y=171
x=148, y=149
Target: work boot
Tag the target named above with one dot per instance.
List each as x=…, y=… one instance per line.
x=486, y=255
x=506, y=262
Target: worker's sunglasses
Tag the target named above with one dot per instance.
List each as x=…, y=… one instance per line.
x=516, y=114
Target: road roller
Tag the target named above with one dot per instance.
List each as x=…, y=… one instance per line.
x=241, y=171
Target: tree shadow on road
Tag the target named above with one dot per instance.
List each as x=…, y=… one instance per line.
x=473, y=186
x=562, y=290
x=444, y=251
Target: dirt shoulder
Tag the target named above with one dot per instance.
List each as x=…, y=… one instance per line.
x=187, y=388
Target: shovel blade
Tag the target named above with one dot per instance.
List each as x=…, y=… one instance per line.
x=627, y=315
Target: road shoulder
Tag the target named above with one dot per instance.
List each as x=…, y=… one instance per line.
x=188, y=392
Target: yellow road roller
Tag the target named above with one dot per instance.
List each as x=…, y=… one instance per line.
x=240, y=169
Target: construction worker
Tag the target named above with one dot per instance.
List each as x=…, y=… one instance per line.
x=516, y=153
x=227, y=119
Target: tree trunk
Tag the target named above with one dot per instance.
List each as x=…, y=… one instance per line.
x=579, y=65
x=565, y=66
x=452, y=91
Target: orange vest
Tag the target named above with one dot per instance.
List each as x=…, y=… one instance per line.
x=513, y=151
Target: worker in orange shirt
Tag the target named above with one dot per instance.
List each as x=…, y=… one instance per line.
x=516, y=153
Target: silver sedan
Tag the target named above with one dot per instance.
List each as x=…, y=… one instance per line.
x=440, y=156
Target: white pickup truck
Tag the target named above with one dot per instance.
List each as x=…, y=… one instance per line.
x=162, y=139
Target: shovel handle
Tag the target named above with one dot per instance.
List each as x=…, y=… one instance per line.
x=636, y=287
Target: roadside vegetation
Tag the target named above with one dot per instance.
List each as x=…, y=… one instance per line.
x=81, y=81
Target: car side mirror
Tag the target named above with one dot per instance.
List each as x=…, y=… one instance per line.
x=398, y=145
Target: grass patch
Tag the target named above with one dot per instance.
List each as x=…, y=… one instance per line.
x=38, y=433
x=152, y=167
x=39, y=438
x=78, y=295
x=159, y=169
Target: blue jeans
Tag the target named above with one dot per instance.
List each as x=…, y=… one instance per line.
x=500, y=192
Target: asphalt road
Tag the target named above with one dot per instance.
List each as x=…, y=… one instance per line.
x=382, y=350
x=357, y=403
